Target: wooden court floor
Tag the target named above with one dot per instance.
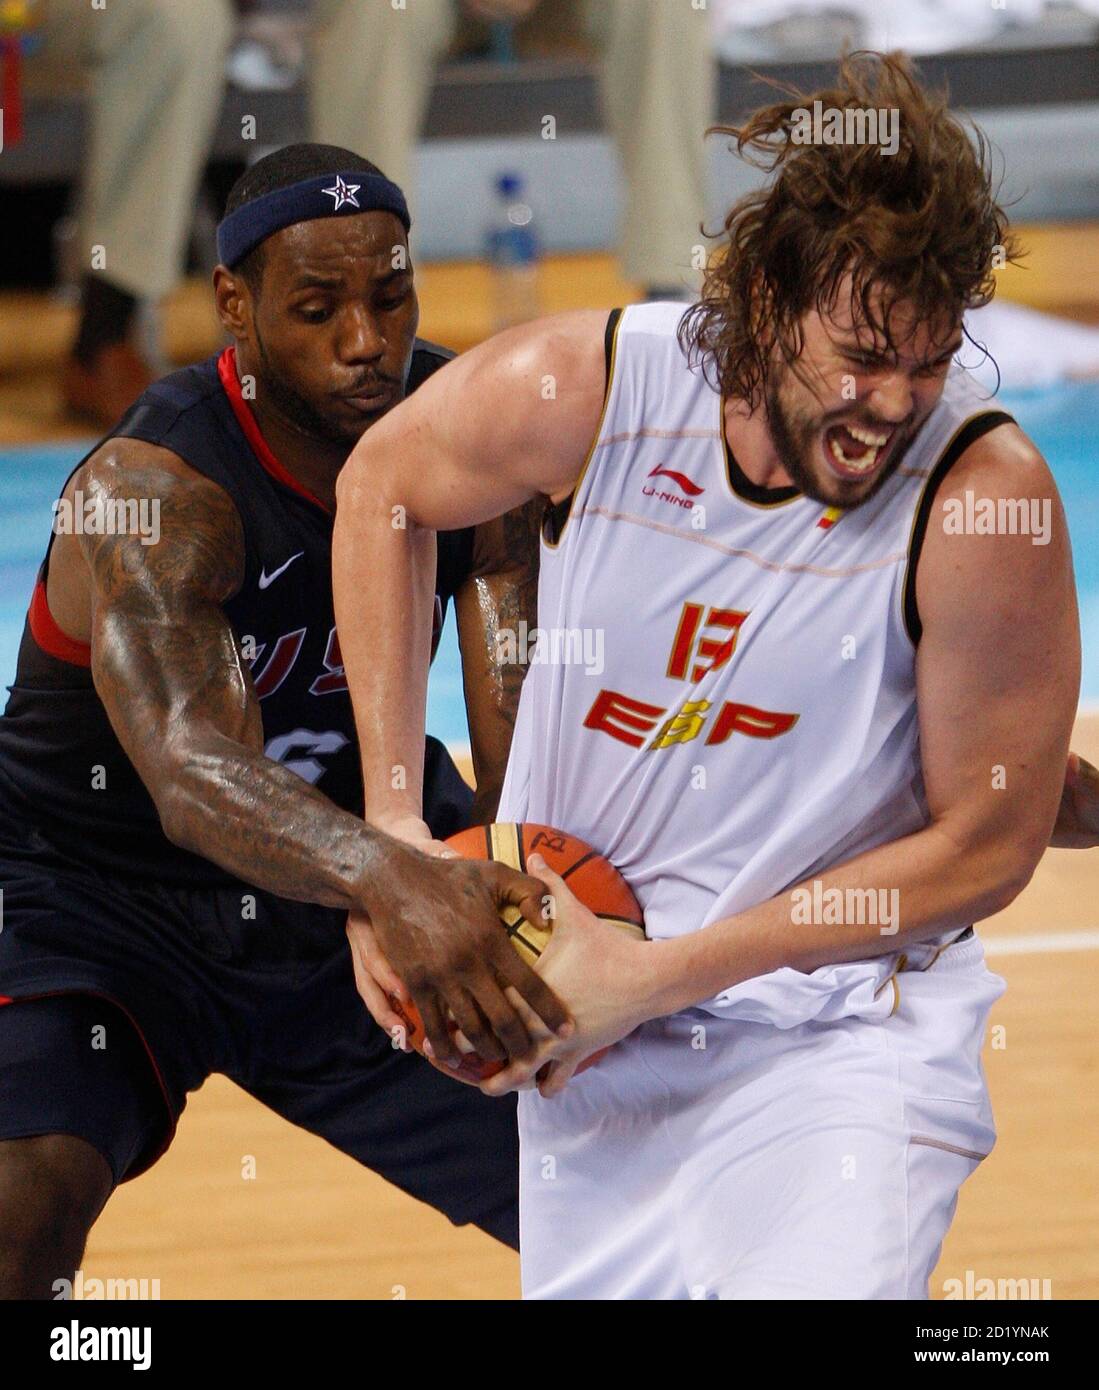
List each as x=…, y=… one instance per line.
x=312, y=1224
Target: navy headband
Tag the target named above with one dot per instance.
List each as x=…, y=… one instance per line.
x=330, y=195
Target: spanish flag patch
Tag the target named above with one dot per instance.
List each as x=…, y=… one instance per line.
x=830, y=517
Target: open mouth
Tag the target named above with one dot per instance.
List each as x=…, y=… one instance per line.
x=853, y=451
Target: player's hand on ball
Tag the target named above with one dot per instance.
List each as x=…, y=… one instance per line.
x=410, y=830
x=374, y=977
x=434, y=925
x=600, y=972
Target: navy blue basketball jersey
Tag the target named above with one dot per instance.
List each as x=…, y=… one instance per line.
x=63, y=770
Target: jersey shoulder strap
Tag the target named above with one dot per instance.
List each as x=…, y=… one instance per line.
x=557, y=513
x=427, y=358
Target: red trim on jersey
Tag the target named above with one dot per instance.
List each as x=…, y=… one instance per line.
x=50, y=637
x=11, y=85
x=44, y=629
x=227, y=373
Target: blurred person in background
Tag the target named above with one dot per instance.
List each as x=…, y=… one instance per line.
x=658, y=86
x=155, y=73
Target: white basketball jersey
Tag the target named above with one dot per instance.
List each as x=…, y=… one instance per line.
x=722, y=700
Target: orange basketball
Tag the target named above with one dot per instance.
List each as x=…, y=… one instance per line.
x=593, y=879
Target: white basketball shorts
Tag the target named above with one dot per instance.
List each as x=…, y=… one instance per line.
x=711, y=1157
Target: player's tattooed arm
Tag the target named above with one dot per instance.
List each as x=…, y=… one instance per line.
x=166, y=664
x=497, y=610
x=168, y=669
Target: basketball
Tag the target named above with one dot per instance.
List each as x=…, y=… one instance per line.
x=594, y=880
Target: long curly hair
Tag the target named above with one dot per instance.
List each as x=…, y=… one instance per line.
x=920, y=226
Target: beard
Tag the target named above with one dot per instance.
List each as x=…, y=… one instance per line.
x=297, y=410
x=796, y=435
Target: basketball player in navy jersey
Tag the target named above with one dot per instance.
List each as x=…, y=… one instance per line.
x=180, y=797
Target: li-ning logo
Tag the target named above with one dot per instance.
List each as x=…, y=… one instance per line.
x=680, y=479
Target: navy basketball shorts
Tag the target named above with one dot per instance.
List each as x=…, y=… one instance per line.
x=121, y=997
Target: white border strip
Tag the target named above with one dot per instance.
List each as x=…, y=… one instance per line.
x=1042, y=942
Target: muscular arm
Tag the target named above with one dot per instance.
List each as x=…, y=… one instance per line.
x=166, y=665
x=480, y=437
x=998, y=672
x=498, y=598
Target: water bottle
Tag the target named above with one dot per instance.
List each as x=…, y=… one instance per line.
x=512, y=251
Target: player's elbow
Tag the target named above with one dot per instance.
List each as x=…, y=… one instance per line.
x=366, y=500
x=351, y=494
x=992, y=866
x=173, y=821
x=1012, y=865
x=184, y=796
x=1009, y=887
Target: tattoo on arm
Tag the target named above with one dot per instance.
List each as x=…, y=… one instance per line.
x=168, y=669
x=500, y=596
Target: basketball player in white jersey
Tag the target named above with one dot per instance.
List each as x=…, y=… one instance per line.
x=828, y=733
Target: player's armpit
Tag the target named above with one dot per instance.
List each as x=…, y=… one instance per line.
x=998, y=667
x=497, y=610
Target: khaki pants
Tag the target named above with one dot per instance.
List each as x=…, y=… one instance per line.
x=371, y=77
x=371, y=74
x=156, y=72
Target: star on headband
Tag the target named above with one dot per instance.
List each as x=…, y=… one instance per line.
x=342, y=193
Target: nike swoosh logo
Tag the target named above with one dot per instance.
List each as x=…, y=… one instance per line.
x=266, y=580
